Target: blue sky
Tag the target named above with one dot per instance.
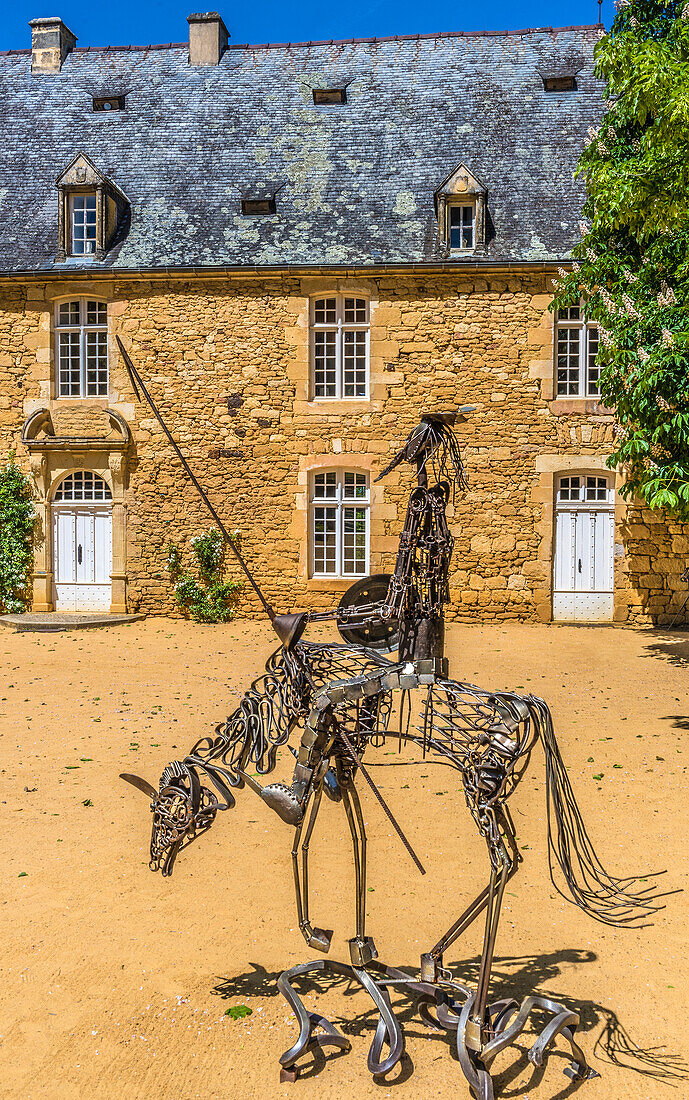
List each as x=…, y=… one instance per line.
x=130, y=23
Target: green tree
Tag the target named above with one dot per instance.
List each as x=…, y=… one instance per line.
x=632, y=264
x=17, y=518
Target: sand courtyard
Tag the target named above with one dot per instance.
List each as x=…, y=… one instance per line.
x=116, y=982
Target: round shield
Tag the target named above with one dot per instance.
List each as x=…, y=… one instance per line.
x=374, y=633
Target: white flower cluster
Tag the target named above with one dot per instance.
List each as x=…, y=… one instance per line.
x=634, y=22
x=662, y=403
x=630, y=276
x=666, y=296
x=619, y=432
x=631, y=309
x=643, y=355
x=562, y=273
x=610, y=134
x=636, y=145
x=606, y=338
x=609, y=302
x=576, y=266
x=685, y=14
x=602, y=148
x=591, y=255
x=620, y=5
x=667, y=338
x=592, y=134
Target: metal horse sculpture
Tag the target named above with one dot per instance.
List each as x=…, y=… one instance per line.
x=336, y=700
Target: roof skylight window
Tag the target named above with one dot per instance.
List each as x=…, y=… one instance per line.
x=258, y=206
x=108, y=103
x=328, y=97
x=560, y=83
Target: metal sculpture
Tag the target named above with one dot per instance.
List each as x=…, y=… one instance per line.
x=338, y=700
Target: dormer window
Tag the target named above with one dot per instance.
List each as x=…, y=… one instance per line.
x=461, y=228
x=91, y=211
x=560, y=83
x=460, y=202
x=328, y=97
x=108, y=103
x=82, y=224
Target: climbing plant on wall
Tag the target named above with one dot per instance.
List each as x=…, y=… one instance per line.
x=210, y=598
x=632, y=264
x=17, y=517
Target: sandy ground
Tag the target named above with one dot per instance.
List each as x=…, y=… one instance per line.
x=115, y=981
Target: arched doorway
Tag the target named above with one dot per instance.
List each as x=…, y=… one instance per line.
x=583, y=574
x=82, y=543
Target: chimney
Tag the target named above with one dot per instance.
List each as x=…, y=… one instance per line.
x=51, y=41
x=207, y=38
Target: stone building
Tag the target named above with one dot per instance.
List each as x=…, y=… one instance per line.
x=302, y=246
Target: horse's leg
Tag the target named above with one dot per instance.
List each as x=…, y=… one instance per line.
x=361, y=947
x=496, y=888
x=319, y=938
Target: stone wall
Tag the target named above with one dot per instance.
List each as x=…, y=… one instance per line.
x=227, y=362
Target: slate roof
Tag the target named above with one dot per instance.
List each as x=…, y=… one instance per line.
x=356, y=182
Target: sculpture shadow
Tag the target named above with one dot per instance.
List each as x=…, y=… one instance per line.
x=516, y=977
x=679, y=721
x=675, y=652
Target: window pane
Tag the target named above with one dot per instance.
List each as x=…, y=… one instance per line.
x=353, y=541
x=83, y=485
x=568, y=361
x=325, y=486
x=572, y=313
x=593, y=370
x=96, y=364
x=570, y=488
x=325, y=540
x=355, y=311
x=68, y=351
x=83, y=224
x=461, y=227
x=325, y=365
x=68, y=313
x=354, y=364
x=96, y=313
x=325, y=311
x=596, y=488
x=355, y=486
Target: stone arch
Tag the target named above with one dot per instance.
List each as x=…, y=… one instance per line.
x=53, y=455
x=539, y=573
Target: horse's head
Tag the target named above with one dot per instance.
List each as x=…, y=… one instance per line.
x=182, y=810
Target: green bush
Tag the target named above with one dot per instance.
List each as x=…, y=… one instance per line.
x=17, y=519
x=209, y=599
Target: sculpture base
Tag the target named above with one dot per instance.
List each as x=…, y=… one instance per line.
x=444, y=1005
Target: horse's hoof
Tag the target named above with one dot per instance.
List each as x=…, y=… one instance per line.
x=283, y=800
x=320, y=939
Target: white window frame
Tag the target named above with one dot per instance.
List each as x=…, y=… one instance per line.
x=340, y=327
x=584, y=337
x=460, y=204
x=83, y=487
x=340, y=504
x=576, y=490
x=92, y=238
x=82, y=330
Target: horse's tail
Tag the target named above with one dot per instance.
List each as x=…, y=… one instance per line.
x=615, y=901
